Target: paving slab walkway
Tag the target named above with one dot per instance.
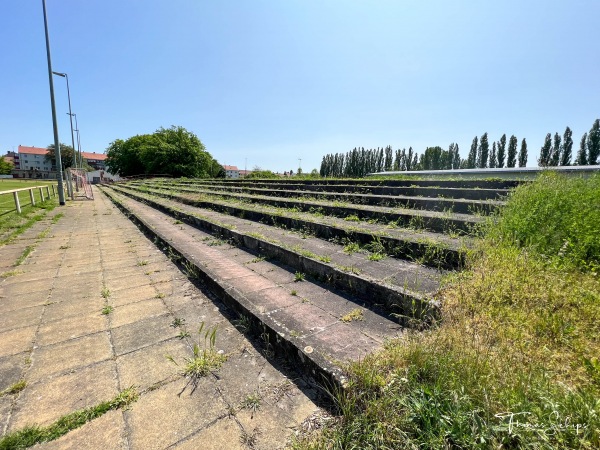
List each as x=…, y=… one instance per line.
x=55, y=336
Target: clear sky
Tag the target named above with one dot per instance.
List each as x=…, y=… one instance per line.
x=272, y=81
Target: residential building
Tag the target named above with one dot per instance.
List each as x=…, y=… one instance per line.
x=30, y=162
x=231, y=171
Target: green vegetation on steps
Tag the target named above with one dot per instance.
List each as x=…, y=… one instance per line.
x=514, y=361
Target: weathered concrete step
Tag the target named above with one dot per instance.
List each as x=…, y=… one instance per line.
x=412, y=191
x=431, y=249
x=427, y=203
x=428, y=220
x=401, y=287
x=316, y=328
x=370, y=181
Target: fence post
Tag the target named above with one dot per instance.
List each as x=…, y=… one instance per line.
x=17, y=204
x=31, y=197
x=41, y=194
x=53, y=193
x=48, y=191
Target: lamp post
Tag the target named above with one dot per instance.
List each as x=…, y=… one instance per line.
x=61, y=192
x=64, y=75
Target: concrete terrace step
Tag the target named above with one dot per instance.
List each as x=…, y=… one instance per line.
x=312, y=326
x=430, y=220
x=435, y=203
x=403, y=288
x=411, y=191
x=431, y=249
x=408, y=182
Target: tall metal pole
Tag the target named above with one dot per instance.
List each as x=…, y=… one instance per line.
x=66, y=76
x=61, y=192
x=79, y=143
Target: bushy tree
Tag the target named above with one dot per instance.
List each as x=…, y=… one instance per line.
x=67, y=155
x=171, y=151
x=5, y=167
x=523, y=153
x=567, y=148
x=511, y=157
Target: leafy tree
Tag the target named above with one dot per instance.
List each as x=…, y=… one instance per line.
x=555, y=151
x=593, y=143
x=472, y=158
x=544, y=159
x=171, y=151
x=5, y=167
x=511, y=158
x=523, y=153
x=582, y=159
x=501, y=155
x=493, y=162
x=483, y=152
x=567, y=148
x=124, y=157
x=67, y=155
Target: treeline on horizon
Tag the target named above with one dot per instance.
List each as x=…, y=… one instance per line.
x=557, y=151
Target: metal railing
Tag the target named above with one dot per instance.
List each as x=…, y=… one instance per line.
x=504, y=173
x=32, y=199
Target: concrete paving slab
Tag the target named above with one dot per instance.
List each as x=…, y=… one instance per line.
x=20, y=318
x=23, y=300
x=51, y=332
x=155, y=426
x=69, y=355
x=11, y=369
x=149, y=365
x=44, y=402
x=142, y=333
x=223, y=434
x=16, y=341
x=131, y=294
x=133, y=312
x=106, y=432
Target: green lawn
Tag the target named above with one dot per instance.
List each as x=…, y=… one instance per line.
x=7, y=202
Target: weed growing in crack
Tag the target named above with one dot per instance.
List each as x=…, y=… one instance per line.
x=105, y=292
x=205, y=358
x=243, y=323
x=299, y=276
x=355, y=315
x=107, y=310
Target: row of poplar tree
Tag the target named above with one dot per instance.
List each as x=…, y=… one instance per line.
x=504, y=153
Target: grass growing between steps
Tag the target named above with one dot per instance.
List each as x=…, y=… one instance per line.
x=514, y=362
x=32, y=435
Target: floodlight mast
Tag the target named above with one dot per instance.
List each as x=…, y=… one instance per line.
x=61, y=192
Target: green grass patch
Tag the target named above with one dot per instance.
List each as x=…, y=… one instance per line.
x=513, y=362
x=33, y=435
x=24, y=255
x=13, y=224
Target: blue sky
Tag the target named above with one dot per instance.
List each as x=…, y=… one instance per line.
x=275, y=81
